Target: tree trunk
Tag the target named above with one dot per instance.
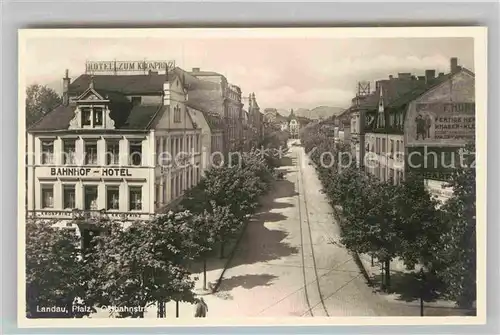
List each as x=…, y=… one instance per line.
x=382, y=276
x=176, y=309
x=204, y=273
x=221, y=250
x=387, y=273
x=161, y=310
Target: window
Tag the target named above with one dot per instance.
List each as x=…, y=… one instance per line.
x=112, y=197
x=47, y=196
x=90, y=197
x=158, y=146
x=135, y=153
x=172, y=188
x=164, y=142
x=392, y=149
x=69, y=196
x=47, y=151
x=91, y=153
x=98, y=113
x=136, y=100
x=86, y=116
x=69, y=152
x=177, y=114
x=384, y=148
x=135, y=198
x=113, y=153
x=172, y=147
x=158, y=195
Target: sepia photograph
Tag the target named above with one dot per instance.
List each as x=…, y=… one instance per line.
x=269, y=176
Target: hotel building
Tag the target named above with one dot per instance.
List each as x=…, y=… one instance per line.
x=123, y=147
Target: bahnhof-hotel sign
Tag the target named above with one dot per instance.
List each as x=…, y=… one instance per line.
x=128, y=66
x=85, y=172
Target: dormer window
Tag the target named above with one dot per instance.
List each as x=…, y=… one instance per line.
x=86, y=116
x=92, y=116
x=97, y=116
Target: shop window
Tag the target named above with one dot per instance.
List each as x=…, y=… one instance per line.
x=113, y=153
x=135, y=198
x=91, y=153
x=112, y=197
x=69, y=152
x=47, y=152
x=47, y=196
x=69, y=196
x=135, y=153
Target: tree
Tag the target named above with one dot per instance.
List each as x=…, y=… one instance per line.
x=39, y=101
x=145, y=263
x=456, y=257
x=56, y=274
x=420, y=224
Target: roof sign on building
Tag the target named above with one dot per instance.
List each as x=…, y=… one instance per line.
x=116, y=67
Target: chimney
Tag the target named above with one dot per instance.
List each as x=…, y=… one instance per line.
x=390, y=77
x=196, y=69
x=166, y=93
x=66, y=82
x=429, y=75
x=454, y=64
x=441, y=74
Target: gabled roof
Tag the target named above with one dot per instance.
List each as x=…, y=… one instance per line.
x=417, y=92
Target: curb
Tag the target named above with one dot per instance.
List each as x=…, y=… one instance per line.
x=229, y=259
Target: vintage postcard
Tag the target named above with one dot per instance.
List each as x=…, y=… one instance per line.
x=256, y=176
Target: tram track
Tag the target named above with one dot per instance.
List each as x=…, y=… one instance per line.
x=300, y=186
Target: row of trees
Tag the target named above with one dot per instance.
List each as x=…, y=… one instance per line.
x=403, y=221
x=146, y=262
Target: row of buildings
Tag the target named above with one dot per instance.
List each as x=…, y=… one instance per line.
x=412, y=123
x=126, y=146
x=290, y=124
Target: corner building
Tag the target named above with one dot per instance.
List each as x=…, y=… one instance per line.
x=120, y=146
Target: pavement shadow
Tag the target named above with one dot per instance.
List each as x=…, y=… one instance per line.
x=248, y=281
x=407, y=287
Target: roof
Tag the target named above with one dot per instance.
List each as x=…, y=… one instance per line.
x=418, y=91
x=137, y=84
x=213, y=119
x=56, y=119
x=140, y=117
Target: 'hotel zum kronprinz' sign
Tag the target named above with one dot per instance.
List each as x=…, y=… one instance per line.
x=128, y=66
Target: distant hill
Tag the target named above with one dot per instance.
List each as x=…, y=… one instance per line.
x=315, y=113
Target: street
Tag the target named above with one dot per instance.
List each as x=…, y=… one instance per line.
x=288, y=263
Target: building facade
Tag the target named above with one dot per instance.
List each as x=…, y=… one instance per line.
x=228, y=101
x=420, y=131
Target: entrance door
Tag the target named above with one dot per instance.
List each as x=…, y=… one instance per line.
x=90, y=194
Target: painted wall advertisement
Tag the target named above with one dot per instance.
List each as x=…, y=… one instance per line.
x=442, y=122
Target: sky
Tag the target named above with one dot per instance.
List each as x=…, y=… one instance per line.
x=283, y=73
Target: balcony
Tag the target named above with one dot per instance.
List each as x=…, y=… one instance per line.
x=87, y=216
